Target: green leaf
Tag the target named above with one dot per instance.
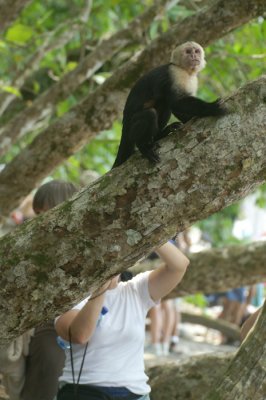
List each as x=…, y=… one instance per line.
x=11, y=89
x=70, y=66
x=197, y=299
x=19, y=33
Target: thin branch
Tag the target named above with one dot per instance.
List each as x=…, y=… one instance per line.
x=53, y=40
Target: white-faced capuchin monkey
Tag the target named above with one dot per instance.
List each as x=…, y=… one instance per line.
x=165, y=90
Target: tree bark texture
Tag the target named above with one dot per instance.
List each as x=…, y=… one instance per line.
x=218, y=270
x=101, y=108
x=245, y=378
x=51, y=262
x=9, y=13
x=45, y=104
x=190, y=380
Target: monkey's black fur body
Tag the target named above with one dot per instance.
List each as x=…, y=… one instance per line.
x=148, y=108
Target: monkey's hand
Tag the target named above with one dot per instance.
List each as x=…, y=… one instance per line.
x=219, y=108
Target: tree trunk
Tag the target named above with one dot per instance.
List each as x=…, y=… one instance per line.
x=189, y=380
x=218, y=270
x=245, y=377
x=49, y=263
x=101, y=108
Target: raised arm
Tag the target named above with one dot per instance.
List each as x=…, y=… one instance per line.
x=165, y=278
x=82, y=322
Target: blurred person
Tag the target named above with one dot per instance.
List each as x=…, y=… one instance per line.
x=32, y=363
x=24, y=211
x=162, y=319
x=45, y=360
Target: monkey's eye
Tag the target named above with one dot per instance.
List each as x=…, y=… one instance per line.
x=197, y=51
x=188, y=51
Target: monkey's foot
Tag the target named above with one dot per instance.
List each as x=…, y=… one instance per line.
x=152, y=156
x=149, y=151
x=175, y=126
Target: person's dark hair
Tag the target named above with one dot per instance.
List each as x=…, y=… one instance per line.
x=51, y=194
x=126, y=276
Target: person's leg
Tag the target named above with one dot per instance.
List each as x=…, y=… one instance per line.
x=175, y=333
x=156, y=328
x=43, y=366
x=168, y=324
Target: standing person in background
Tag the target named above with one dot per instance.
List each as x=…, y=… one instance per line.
x=162, y=317
x=45, y=359
x=104, y=358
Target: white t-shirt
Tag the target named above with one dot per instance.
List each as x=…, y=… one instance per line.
x=115, y=351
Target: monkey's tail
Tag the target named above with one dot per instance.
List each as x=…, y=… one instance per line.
x=125, y=150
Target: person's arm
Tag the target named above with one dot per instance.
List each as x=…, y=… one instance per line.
x=165, y=278
x=82, y=322
x=248, y=324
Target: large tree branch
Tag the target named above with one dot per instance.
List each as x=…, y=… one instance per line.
x=100, y=109
x=218, y=270
x=226, y=328
x=45, y=104
x=52, y=261
x=9, y=13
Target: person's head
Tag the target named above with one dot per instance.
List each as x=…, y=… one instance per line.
x=51, y=194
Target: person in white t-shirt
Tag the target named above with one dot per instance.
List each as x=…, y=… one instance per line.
x=104, y=334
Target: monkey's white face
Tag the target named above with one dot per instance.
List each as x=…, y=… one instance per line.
x=190, y=57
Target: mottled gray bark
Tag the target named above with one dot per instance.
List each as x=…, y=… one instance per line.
x=8, y=12
x=190, y=380
x=218, y=270
x=52, y=261
x=45, y=104
x=245, y=377
x=102, y=107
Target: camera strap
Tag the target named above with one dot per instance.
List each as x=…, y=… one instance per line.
x=76, y=384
